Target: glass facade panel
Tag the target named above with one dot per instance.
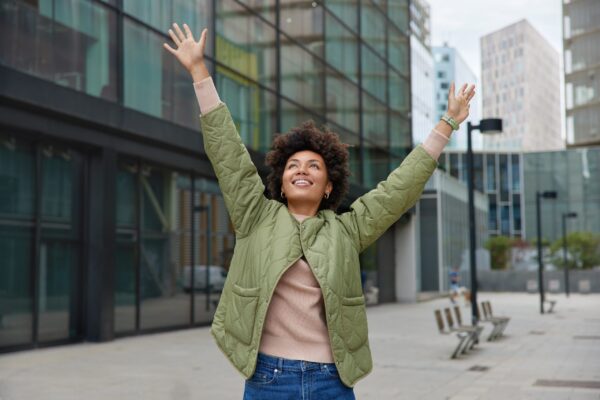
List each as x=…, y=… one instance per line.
x=493, y=215
x=161, y=274
x=342, y=101
x=213, y=246
x=504, y=182
x=515, y=173
x=160, y=14
x=398, y=12
x=398, y=51
x=373, y=24
x=71, y=43
x=345, y=10
x=478, y=171
x=265, y=8
x=399, y=93
x=400, y=136
x=375, y=121
x=490, y=172
x=126, y=258
x=341, y=48
x=253, y=109
x=245, y=43
x=293, y=116
x=374, y=78
x=59, y=267
x=302, y=77
x=516, y=206
x=17, y=183
x=303, y=20
x=505, y=220
x=375, y=165
x=154, y=83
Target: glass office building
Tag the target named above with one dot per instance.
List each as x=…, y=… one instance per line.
x=500, y=177
x=111, y=220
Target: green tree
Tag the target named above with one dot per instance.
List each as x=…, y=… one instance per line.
x=499, y=248
x=583, y=249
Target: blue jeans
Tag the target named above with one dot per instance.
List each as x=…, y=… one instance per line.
x=279, y=378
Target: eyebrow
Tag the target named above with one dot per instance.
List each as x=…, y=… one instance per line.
x=295, y=159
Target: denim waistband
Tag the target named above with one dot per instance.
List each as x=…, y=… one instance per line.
x=284, y=364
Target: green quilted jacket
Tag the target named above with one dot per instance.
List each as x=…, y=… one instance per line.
x=269, y=240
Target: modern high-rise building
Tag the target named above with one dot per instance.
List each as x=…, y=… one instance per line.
x=451, y=67
x=108, y=203
x=521, y=84
x=422, y=70
x=581, y=41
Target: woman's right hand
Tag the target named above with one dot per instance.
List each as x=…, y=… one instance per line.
x=189, y=52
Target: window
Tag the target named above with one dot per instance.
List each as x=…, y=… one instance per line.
x=444, y=85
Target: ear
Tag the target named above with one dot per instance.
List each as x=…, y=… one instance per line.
x=329, y=187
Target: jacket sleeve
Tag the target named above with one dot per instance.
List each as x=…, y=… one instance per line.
x=373, y=213
x=242, y=188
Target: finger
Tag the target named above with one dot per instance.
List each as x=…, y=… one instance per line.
x=451, y=91
x=203, y=38
x=188, y=32
x=462, y=89
x=174, y=37
x=470, y=89
x=169, y=49
x=471, y=95
x=180, y=34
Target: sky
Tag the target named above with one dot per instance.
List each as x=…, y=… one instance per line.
x=462, y=22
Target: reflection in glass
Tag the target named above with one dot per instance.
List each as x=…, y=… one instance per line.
x=345, y=10
x=154, y=82
x=253, y=109
x=301, y=76
x=163, y=302
x=398, y=13
x=373, y=23
x=398, y=51
x=293, y=116
x=213, y=246
x=245, y=43
x=59, y=279
x=69, y=42
x=375, y=166
x=126, y=256
x=374, y=75
x=375, y=121
x=17, y=166
x=342, y=101
x=303, y=21
x=399, y=93
x=341, y=48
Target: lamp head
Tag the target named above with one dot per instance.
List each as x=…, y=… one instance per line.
x=490, y=125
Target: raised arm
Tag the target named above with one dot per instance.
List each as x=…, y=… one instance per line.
x=242, y=188
x=373, y=213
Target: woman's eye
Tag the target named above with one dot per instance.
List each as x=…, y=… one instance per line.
x=315, y=165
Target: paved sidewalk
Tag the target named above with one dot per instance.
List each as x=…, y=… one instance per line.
x=411, y=359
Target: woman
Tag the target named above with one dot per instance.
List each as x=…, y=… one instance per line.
x=291, y=318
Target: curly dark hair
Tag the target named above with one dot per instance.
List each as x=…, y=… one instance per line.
x=323, y=142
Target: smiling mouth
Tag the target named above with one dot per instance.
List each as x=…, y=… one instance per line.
x=301, y=182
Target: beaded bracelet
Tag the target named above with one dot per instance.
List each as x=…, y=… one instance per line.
x=450, y=121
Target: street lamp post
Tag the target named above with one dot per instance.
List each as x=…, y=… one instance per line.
x=489, y=125
x=538, y=209
x=564, y=230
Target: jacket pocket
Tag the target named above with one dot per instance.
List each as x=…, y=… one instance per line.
x=354, y=322
x=241, y=313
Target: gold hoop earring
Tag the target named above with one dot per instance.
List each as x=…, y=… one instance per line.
x=282, y=195
x=326, y=195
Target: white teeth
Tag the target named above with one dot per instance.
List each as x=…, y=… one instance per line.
x=301, y=182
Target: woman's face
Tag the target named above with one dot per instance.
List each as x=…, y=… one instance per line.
x=305, y=178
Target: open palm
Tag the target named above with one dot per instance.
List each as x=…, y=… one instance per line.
x=189, y=52
x=458, y=103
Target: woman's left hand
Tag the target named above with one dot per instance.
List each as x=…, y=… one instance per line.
x=458, y=103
